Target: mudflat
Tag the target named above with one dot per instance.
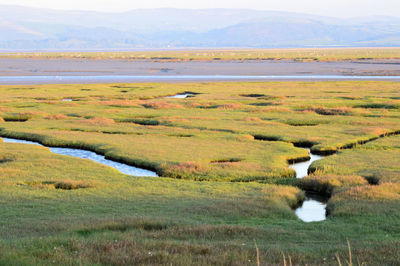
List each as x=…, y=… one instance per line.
x=72, y=67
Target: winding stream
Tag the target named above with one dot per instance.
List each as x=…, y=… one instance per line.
x=83, y=154
x=313, y=208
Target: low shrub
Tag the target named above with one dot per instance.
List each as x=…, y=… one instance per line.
x=70, y=184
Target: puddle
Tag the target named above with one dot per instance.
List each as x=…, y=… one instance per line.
x=313, y=209
x=83, y=154
x=180, y=96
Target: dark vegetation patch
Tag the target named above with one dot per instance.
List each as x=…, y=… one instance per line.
x=126, y=87
x=378, y=106
x=372, y=179
x=253, y=95
x=264, y=104
x=192, y=93
x=181, y=135
x=162, y=105
x=74, y=115
x=126, y=225
x=330, y=111
x=6, y=158
x=323, y=184
x=25, y=106
x=71, y=184
x=350, y=98
x=304, y=143
x=298, y=159
x=140, y=121
x=302, y=123
x=267, y=137
x=17, y=117
x=229, y=160
x=64, y=185
x=85, y=89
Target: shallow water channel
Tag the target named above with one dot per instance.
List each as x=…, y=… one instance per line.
x=313, y=208
x=83, y=154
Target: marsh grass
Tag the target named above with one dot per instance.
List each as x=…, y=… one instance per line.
x=17, y=117
x=125, y=220
x=301, y=55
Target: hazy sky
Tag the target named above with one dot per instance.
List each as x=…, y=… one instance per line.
x=335, y=8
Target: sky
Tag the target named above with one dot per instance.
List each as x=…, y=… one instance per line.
x=333, y=8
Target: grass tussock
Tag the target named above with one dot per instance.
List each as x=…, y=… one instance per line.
x=329, y=111
x=17, y=117
x=71, y=184
x=162, y=105
x=325, y=184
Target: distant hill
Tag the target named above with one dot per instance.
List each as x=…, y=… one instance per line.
x=33, y=28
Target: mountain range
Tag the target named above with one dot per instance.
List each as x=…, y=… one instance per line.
x=33, y=28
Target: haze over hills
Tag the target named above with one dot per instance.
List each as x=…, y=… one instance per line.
x=33, y=28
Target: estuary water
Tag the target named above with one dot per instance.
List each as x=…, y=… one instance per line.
x=37, y=79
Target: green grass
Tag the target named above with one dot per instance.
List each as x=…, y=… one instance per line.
x=61, y=210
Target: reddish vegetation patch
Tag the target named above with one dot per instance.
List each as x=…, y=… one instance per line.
x=162, y=105
x=271, y=109
x=98, y=121
x=119, y=103
x=189, y=167
x=5, y=109
x=56, y=117
x=375, y=130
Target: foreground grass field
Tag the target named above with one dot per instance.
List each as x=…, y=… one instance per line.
x=307, y=54
x=61, y=210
